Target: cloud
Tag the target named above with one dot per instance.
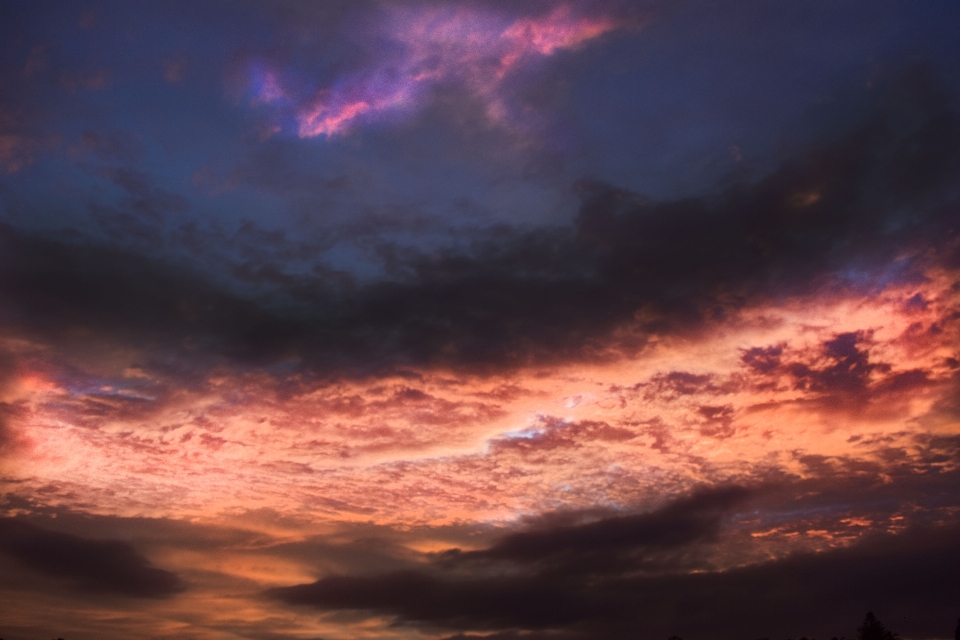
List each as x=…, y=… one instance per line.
x=608, y=544
x=552, y=433
x=627, y=270
x=908, y=577
x=146, y=201
x=839, y=372
x=514, y=635
x=9, y=438
x=425, y=46
x=848, y=371
x=9, y=411
x=563, y=557
x=93, y=565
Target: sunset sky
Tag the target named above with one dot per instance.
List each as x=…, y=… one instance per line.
x=450, y=320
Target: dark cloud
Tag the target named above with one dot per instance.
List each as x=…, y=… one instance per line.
x=512, y=297
x=596, y=575
x=681, y=383
x=608, y=544
x=140, y=214
x=54, y=286
x=563, y=557
x=909, y=577
x=763, y=359
x=92, y=565
x=515, y=635
x=839, y=373
x=847, y=372
x=905, y=576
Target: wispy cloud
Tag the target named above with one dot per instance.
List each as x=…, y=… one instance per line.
x=422, y=47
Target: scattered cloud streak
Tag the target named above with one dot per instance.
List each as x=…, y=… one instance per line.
x=470, y=46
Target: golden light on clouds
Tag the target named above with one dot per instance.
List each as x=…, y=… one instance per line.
x=441, y=447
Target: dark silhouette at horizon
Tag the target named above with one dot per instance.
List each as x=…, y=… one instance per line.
x=871, y=629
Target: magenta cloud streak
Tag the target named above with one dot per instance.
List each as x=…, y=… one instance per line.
x=465, y=46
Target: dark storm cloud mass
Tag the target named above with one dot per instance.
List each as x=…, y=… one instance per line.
x=564, y=557
x=92, y=565
x=608, y=543
x=58, y=288
x=845, y=213
x=909, y=576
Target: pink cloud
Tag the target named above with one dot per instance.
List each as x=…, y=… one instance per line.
x=447, y=45
x=443, y=447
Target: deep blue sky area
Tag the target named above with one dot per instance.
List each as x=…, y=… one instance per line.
x=115, y=104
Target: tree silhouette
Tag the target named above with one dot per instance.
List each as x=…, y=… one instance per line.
x=873, y=629
x=956, y=634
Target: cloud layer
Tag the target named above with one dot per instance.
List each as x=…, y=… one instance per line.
x=809, y=593
x=858, y=211
x=92, y=565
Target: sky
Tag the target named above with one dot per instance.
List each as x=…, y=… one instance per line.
x=423, y=320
